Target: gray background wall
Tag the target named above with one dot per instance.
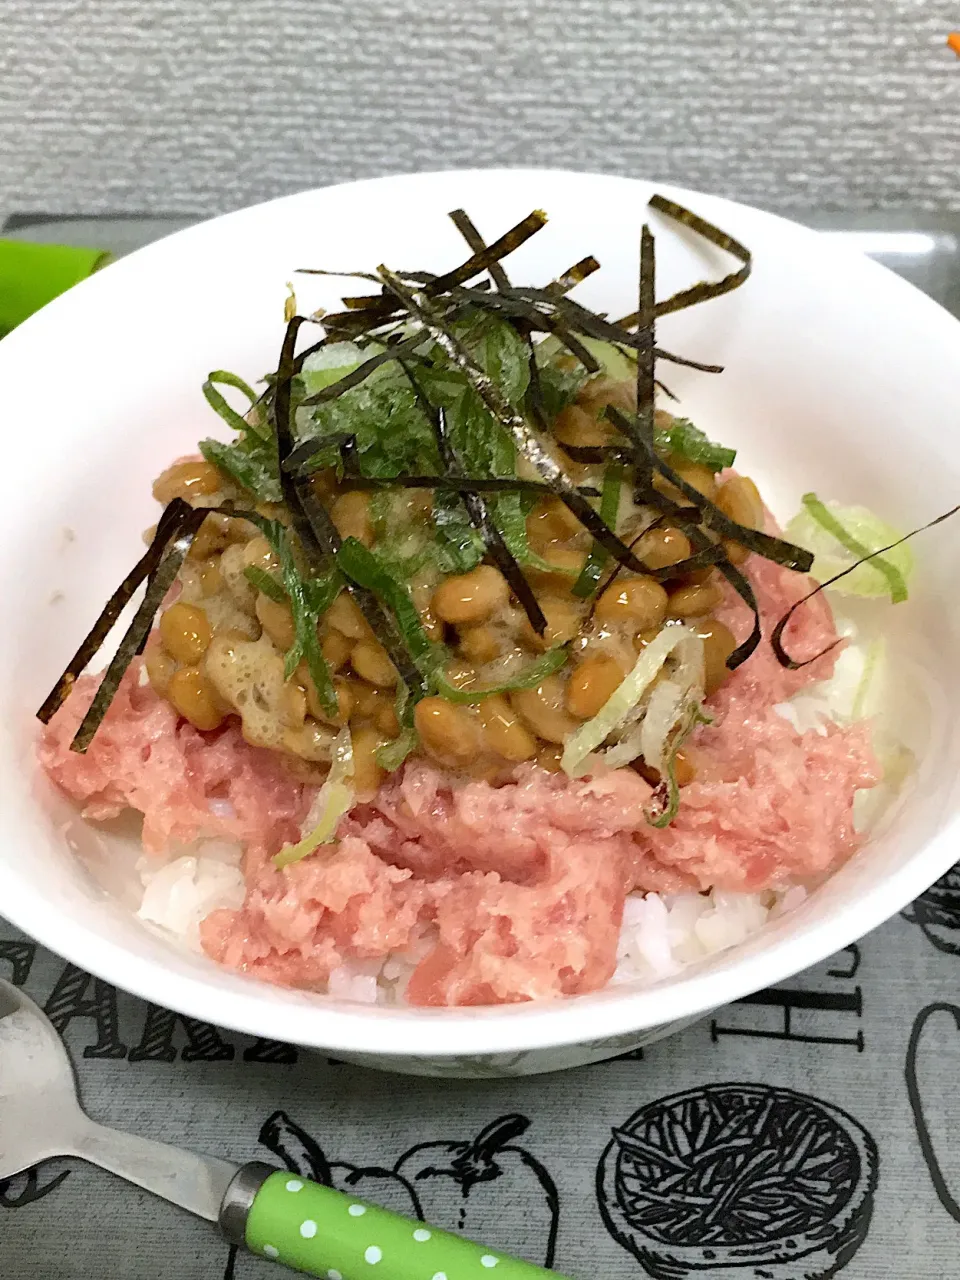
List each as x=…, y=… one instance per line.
x=178, y=105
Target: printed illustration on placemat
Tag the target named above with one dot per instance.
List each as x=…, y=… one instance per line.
x=740, y=1181
x=18, y=1192
x=933, y=1097
x=937, y=912
x=466, y=1185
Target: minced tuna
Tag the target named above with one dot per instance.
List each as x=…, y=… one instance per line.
x=506, y=892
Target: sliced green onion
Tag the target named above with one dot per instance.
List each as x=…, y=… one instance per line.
x=622, y=701
x=876, y=653
x=861, y=533
x=692, y=716
x=392, y=754
x=682, y=437
x=218, y=402
x=309, y=600
x=586, y=584
x=528, y=678
x=366, y=569
x=334, y=799
x=663, y=710
x=265, y=583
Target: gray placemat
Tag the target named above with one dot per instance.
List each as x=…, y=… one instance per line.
x=809, y=1129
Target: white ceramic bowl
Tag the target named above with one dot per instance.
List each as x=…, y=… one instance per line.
x=839, y=377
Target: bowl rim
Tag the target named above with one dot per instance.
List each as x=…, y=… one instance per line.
x=250, y=1006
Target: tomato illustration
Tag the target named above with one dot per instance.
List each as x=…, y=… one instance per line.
x=470, y=1187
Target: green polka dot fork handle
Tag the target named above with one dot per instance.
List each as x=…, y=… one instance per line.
x=338, y=1237
x=305, y=1226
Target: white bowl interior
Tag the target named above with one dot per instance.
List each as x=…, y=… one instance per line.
x=839, y=378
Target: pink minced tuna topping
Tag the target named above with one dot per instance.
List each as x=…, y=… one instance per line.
x=516, y=891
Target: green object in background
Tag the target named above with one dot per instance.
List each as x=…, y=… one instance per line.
x=31, y=275
x=338, y=1237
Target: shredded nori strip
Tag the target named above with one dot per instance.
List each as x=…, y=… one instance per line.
x=575, y=275
x=477, y=245
x=380, y=318
x=707, y=557
x=459, y=484
x=713, y=554
x=314, y=526
x=744, y=589
x=777, y=549
x=567, y=318
x=173, y=517
x=383, y=307
x=706, y=289
x=476, y=508
x=530, y=318
x=528, y=677
x=586, y=583
x=687, y=363
x=513, y=422
x=158, y=584
x=482, y=521
x=596, y=453
x=646, y=389
x=361, y=372
x=776, y=639
x=482, y=260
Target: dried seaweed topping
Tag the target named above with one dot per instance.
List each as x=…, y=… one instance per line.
x=465, y=345
x=477, y=509
x=477, y=244
x=646, y=391
x=744, y=589
x=314, y=526
x=590, y=574
x=170, y=522
x=134, y=638
x=706, y=289
x=382, y=307
x=764, y=544
x=776, y=639
x=480, y=517
x=575, y=275
x=394, y=351
x=513, y=422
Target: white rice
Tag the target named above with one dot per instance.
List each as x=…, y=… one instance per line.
x=179, y=894
x=661, y=933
